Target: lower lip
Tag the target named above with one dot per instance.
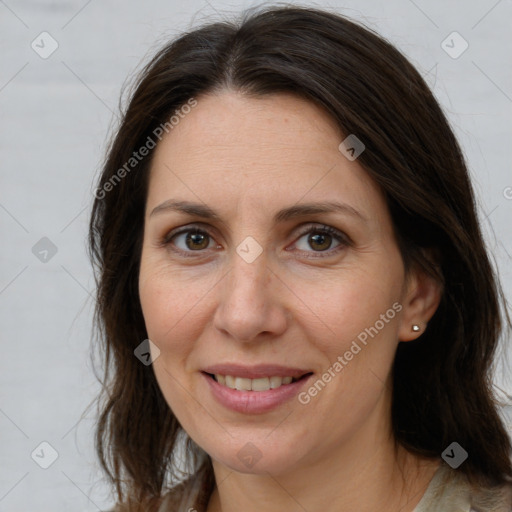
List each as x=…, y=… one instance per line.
x=254, y=402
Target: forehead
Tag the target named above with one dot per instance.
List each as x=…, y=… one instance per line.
x=229, y=120
x=265, y=150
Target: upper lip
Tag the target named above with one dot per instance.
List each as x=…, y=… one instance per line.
x=255, y=372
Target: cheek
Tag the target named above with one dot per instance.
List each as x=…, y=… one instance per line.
x=170, y=302
x=354, y=326
x=170, y=308
x=350, y=305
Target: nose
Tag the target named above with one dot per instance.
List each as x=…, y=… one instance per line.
x=251, y=304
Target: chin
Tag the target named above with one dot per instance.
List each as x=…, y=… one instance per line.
x=250, y=459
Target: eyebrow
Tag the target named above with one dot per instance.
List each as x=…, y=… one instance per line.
x=289, y=213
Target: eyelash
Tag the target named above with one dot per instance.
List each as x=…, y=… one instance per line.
x=344, y=240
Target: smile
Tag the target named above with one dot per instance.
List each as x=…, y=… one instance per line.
x=256, y=395
x=260, y=384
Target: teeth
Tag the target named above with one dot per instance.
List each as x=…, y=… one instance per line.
x=275, y=382
x=260, y=384
x=243, y=384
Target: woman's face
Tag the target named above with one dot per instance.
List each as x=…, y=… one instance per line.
x=253, y=282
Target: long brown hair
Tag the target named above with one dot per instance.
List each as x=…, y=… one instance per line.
x=442, y=389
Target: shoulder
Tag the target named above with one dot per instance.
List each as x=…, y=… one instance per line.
x=191, y=494
x=498, y=499
x=172, y=499
x=450, y=491
x=179, y=497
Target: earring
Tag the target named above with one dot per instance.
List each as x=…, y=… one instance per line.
x=416, y=328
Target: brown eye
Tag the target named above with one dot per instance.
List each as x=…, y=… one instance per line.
x=196, y=240
x=189, y=240
x=320, y=239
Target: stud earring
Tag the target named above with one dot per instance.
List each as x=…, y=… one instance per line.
x=416, y=328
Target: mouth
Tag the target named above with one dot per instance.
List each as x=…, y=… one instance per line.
x=254, y=389
x=259, y=384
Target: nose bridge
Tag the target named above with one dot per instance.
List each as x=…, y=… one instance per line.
x=247, y=304
x=249, y=260
x=249, y=278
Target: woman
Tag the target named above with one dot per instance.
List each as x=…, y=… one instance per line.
x=297, y=308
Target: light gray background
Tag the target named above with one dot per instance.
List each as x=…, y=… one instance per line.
x=55, y=117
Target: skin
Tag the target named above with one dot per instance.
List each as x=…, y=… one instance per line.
x=295, y=305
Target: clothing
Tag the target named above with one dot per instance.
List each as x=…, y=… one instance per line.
x=448, y=491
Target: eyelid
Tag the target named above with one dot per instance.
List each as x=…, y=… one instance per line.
x=165, y=241
x=309, y=227
x=312, y=227
x=185, y=229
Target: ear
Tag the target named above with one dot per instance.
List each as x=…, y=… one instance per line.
x=421, y=298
